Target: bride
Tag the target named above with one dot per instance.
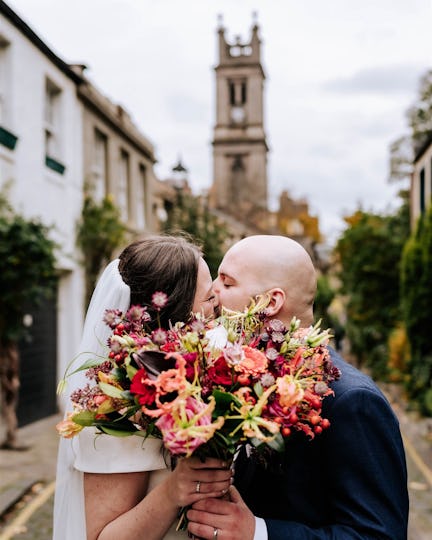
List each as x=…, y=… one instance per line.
x=122, y=488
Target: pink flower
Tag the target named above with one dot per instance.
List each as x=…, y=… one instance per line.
x=289, y=390
x=137, y=313
x=159, y=300
x=188, y=425
x=159, y=336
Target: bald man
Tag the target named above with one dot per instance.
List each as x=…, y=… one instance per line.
x=349, y=483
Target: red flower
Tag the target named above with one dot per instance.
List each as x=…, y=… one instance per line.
x=190, y=365
x=168, y=347
x=140, y=387
x=220, y=372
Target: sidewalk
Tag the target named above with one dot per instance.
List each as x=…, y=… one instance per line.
x=20, y=469
x=415, y=429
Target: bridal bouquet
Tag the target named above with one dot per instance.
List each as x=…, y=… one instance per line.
x=205, y=388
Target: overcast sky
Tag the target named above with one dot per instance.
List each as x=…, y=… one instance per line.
x=340, y=77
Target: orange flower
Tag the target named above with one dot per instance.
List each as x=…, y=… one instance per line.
x=172, y=380
x=254, y=362
x=67, y=428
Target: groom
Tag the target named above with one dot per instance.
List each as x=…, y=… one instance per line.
x=349, y=483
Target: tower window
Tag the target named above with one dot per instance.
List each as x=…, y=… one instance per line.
x=243, y=92
x=237, y=164
x=237, y=92
x=232, y=93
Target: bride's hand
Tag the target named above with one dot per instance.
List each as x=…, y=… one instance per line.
x=193, y=480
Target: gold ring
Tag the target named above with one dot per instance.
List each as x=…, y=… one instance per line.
x=215, y=533
x=198, y=487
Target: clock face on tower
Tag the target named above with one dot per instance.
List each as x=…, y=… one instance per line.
x=237, y=114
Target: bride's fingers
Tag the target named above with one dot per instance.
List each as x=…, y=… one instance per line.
x=211, y=488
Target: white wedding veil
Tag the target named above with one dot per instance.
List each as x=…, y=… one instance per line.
x=111, y=292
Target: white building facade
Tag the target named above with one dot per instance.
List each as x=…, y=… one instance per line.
x=41, y=160
x=58, y=135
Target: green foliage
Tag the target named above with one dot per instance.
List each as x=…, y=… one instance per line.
x=416, y=280
x=324, y=297
x=100, y=232
x=369, y=253
x=190, y=215
x=27, y=269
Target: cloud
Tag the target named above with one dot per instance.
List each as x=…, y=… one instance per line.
x=394, y=79
x=186, y=109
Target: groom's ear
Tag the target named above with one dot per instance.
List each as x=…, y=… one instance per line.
x=277, y=300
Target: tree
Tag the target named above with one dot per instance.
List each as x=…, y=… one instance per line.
x=100, y=232
x=323, y=299
x=420, y=114
x=369, y=253
x=416, y=279
x=189, y=214
x=27, y=276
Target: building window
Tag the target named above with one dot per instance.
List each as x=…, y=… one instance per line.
x=422, y=191
x=123, y=186
x=7, y=138
x=4, y=82
x=52, y=117
x=100, y=165
x=141, y=198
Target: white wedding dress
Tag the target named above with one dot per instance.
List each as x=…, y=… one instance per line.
x=89, y=452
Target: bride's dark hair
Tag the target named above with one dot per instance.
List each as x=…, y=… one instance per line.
x=162, y=263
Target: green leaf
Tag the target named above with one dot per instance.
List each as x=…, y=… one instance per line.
x=116, y=432
x=277, y=443
x=84, y=418
x=111, y=391
x=131, y=371
x=87, y=365
x=224, y=399
x=258, y=389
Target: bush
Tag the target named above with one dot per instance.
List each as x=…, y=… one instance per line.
x=416, y=279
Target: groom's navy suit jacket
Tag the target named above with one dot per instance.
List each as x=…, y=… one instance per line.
x=348, y=483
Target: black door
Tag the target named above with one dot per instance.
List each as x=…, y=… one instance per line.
x=38, y=361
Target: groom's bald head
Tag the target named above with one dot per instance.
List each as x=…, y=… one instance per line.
x=262, y=263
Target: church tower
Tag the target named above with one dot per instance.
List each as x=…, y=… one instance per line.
x=239, y=142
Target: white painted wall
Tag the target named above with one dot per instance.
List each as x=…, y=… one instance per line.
x=37, y=191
